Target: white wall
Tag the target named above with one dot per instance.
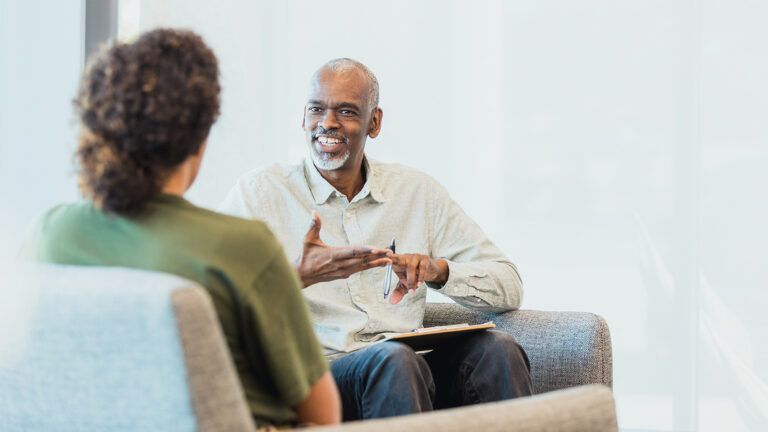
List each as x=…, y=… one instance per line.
x=40, y=62
x=615, y=150
x=733, y=146
x=612, y=149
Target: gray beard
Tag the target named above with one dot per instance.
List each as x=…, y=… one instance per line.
x=327, y=162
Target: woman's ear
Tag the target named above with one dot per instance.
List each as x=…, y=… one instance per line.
x=201, y=150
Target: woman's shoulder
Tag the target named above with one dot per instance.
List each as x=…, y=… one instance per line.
x=241, y=238
x=58, y=228
x=68, y=216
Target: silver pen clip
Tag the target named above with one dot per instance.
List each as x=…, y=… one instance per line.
x=388, y=276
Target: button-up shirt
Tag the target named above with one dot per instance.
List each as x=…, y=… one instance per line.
x=395, y=202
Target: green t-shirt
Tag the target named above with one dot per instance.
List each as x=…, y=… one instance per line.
x=253, y=287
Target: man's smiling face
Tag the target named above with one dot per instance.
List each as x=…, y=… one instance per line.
x=337, y=119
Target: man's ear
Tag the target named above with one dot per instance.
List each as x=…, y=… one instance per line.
x=303, y=118
x=375, y=125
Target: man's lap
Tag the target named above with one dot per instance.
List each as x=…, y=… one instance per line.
x=389, y=378
x=451, y=353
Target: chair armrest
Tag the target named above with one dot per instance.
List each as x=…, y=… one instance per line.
x=587, y=408
x=566, y=349
x=214, y=386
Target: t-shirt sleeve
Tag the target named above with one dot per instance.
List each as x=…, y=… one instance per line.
x=284, y=331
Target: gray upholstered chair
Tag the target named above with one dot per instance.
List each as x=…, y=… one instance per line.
x=118, y=349
x=566, y=349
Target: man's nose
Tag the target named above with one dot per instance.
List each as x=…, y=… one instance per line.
x=328, y=121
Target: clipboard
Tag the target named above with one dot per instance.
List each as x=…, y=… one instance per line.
x=426, y=338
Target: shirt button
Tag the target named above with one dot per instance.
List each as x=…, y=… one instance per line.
x=357, y=298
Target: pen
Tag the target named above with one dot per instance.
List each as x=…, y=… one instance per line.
x=388, y=277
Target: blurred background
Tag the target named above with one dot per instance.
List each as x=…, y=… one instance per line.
x=615, y=150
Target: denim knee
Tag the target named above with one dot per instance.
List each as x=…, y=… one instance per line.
x=396, y=361
x=398, y=382
x=394, y=354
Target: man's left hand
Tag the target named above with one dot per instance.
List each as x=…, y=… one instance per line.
x=415, y=269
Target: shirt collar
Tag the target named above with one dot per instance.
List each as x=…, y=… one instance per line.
x=322, y=190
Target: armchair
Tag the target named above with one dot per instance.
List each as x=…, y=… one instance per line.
x=566, y=349
x=118, y=349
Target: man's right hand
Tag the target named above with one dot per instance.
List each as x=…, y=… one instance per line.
x=321, y=263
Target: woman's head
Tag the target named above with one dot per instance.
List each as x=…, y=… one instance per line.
x=145, y=107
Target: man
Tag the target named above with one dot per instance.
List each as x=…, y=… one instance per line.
x=358, y=201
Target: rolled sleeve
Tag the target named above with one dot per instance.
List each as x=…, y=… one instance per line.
x=476, y=286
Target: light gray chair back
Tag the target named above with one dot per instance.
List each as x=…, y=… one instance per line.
x=94, y=348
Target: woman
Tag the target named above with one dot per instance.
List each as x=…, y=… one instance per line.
x=146, y=108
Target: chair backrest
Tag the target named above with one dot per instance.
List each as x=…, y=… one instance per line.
x=89, y=348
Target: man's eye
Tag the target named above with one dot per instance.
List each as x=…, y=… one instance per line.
x=313, y=109
x=346, y=112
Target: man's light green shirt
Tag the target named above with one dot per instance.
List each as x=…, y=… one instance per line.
x=395, y=201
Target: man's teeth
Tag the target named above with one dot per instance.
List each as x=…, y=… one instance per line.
x=327, y=140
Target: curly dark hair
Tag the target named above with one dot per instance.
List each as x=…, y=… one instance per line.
x=144, y=107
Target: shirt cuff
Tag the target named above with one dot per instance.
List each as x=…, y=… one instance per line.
x=459, y=280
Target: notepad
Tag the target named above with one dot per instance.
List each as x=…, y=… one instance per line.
x=430, y=337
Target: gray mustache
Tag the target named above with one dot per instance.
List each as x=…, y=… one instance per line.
x=329, y=133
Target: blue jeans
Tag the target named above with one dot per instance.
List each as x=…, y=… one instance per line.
x=390, y=379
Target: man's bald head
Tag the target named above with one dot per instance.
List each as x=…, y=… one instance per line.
x=344, y=66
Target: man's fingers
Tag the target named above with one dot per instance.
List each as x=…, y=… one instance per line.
x=313, y=234
x=398, y=294
x=423, y=267
x=416, y=268
x=359, y=252
x=351, y=266
x=349, y=252
x=381, y=262
x=400, y=262
x=402, y=277
x=413, y=268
